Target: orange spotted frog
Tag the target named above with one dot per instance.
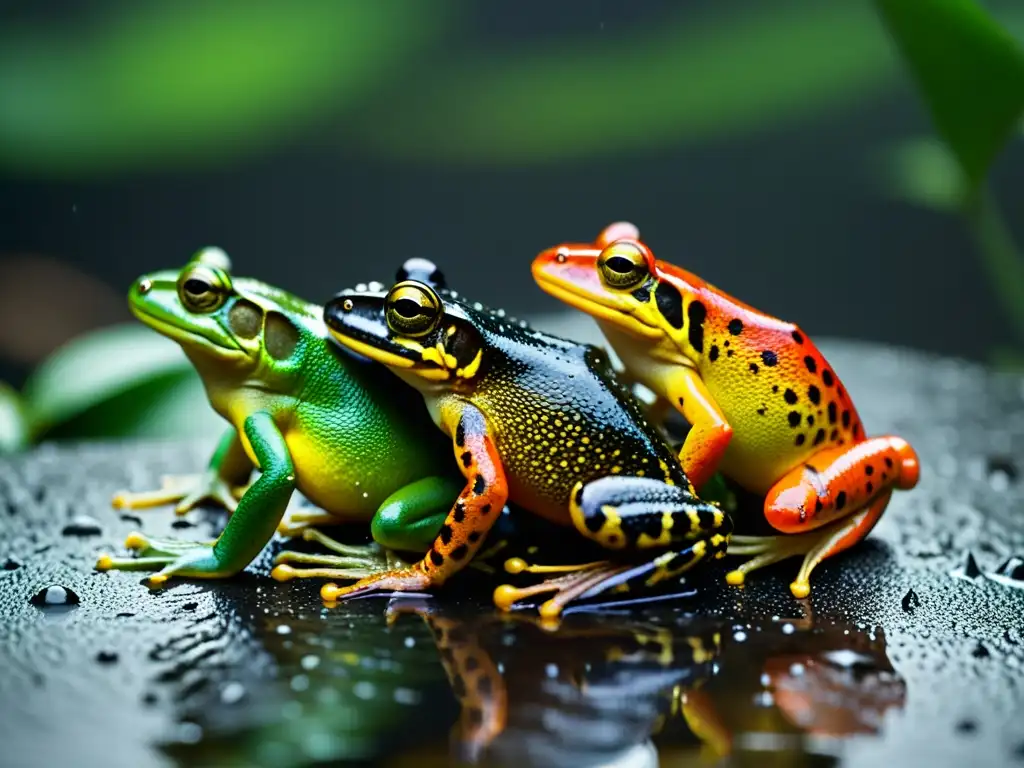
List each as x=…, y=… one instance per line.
x=764, y=405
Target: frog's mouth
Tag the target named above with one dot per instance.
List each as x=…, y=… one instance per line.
x=356, y=321
x=190, y=337
x=621, y=313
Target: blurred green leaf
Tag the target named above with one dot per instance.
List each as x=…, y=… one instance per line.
x=95, y=368
x=13, y=430
x=162, y=82
x=970, y=71
x=679, y=79
x=924, y=172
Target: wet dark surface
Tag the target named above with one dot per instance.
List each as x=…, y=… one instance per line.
x=893, y=660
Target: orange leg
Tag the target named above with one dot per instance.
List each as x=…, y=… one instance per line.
x=466, y=526
x=709, y=434
x=828, y=505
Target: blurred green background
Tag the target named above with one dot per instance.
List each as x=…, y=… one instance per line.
x=852, y=166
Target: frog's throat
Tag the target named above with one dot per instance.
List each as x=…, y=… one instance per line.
x=624, y=318
x=190, y=339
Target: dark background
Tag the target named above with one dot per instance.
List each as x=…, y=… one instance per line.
x=790, y=207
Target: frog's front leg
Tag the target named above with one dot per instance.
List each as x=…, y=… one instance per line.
x=474, y=512
x=710, y=433
x=223, y=482
x=632, y=515
x=827, y=505
x=250, y=528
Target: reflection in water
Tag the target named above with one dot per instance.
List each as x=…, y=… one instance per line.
x=430, y=684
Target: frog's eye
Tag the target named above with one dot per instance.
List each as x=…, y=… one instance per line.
x=623, y=264
x=412, y=309
x=202, y=289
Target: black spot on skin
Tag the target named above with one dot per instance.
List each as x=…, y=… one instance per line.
x=459, y=552
x=460, y=435
x=476, y=717
x=579, y=491
x=474, y=537
x=846, y=419
x=458, y=685
x=446, y=534
x=840, y=500
x=794, y=418
x=485, y=509
x=839, y=391
x=467, y=459
x=596, y=521
x=472, y=664
x=810, y=420
x=820, y=437
x=729, y=353
x=811, y=365
x=754, y=369
x=818, y=506
x=870, y=488
x=800, y=439
x=834, y=435
x=483, y=686
x=479, y=485
x=726, y=344
x=643, y=293
x=888, y=462
x=832, y=414
x=769, y=358
x=856, y=430
x=775, y=388
x=649, y=524
x=736, y=326
x=869, y=470
x=790, y=396
x=762, y=411
x=826, y=378
x=436, y=558
x=814, y=394
x=706, y=520
x=460, y=511
x=798, y=337
x=670, y=303
x=695, y=314
x=713, y=353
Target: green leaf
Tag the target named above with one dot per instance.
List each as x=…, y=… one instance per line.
x=676, y=80
x=95, y=368
x=923, y=171
x=163, y=82
x=970, y=71
x=13, y=430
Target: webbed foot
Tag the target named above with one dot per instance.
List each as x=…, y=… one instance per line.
x=169, y=557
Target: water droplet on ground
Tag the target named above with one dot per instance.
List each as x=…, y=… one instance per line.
x=1003, y=468
x=980, y=652
x=189, y=606
x=966, y=726
x=82, y=525
x=911, y=601
x=55, y=594
x=182, y=523
x=125, y=615
x=969, y=570
x=10, y=564
x=107, y=657
x=232, y=693
x=283, y=629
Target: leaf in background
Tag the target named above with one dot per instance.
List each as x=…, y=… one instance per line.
x=924, y=172
x=13, y=430
x=970, y=71
x=160, y=82
x=95, y=368
x=678, y=79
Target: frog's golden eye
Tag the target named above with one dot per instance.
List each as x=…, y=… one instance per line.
x=203, y=289
x=622, y=265
x=412, y=309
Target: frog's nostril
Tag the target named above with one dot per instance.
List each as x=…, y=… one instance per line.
x=145, y=286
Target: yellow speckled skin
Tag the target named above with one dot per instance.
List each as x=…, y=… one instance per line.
x=765, y=406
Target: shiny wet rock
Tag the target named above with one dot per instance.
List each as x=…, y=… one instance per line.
x=892, y=661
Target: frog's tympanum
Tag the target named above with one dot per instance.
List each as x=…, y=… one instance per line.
x=343, y=431
x=765, y=406
x=538, y=421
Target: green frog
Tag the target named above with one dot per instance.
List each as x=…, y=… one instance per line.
x=542, y=422
x=308, y=415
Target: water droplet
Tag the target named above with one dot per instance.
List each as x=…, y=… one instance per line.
x=149, y=698
x=740, y=636
x=283, y=629
x=969, y=570
x=551, y=670
x=189, y=606
x=107, y=657
x=82, y=525
x=966, y=726
x=310, y=662
x=55, y=594
x=10, y=564
x=189, y=733
x=788, y=629
x=911, y=601
x=300, y=683
x=980, y=651
x=407, y=696
x=182, y=523
x=409, y=642
x=1013, y=568
x=125, y=615
x=232, y=693
x=766, y=680
x=797, y=669
x=763, y=699
x=364, y=690
x=1001, y=470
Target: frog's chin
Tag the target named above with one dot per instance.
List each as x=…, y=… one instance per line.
x=623, y=318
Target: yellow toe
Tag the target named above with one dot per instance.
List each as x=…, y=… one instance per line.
x=119, y=501
x=104, y=562
x=330, y=592
x=136, y=540
x=282, y=573
x=157, y=580
x=735, y=578
x=800, y=589
x=515, y=565
x=549, y=610
x=505, y=596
